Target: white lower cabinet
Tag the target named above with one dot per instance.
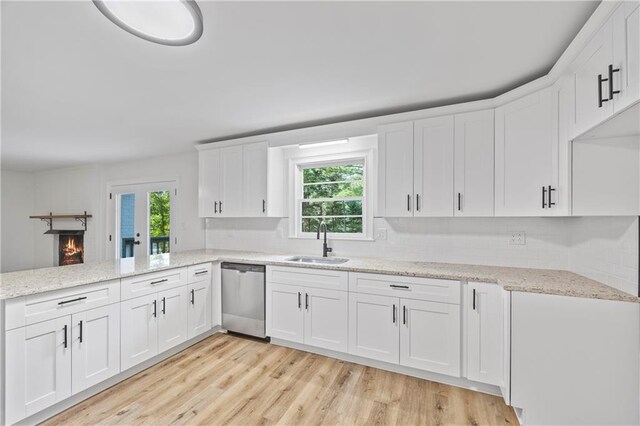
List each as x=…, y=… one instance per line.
x=38, y=367
x=172, y=318
x=139, y=330
x=430, y=336
x=484, y=333
x=199, y=315
x=326, y=319
x=96, y=346
x=313, y=316
x=373, y=327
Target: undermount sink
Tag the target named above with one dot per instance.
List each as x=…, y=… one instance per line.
x=321, y=260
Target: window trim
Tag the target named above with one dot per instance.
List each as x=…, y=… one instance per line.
x=365, y=157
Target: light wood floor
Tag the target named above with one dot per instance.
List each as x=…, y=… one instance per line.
x=231, y=380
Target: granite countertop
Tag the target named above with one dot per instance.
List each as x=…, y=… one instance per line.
x=563, y=283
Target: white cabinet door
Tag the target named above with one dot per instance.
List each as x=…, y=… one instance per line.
x=626, y=54
x=96, y=346
x=199, y=315
x=285, y=318
x=326, y=320
x=473, y=193
x=139, y=330
x=430, y=336
x=172, y=317
x=38, y=367
x=373, y=327
x=433, y=166
x=526, y=157
x=230, y=182
x=395, y=170
x=255, y=168
x=593, y=61
x=208, y=182
x=484, y=333
x=505, y=386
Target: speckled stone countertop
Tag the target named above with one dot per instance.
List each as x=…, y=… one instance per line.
x=563, y=283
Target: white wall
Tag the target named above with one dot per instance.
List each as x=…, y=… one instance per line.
x=74, y=190
x=17, y=248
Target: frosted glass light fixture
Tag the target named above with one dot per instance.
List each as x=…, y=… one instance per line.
x=170, y=22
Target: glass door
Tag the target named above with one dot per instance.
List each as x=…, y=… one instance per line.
x=144, y=215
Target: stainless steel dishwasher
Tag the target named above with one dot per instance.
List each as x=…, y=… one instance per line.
x=243, y=303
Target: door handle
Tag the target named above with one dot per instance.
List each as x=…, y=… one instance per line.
x=137, y=242
x=193, y=296
x=404, y=314
x=264, y=206
x=550, y=190
x=299, y=300
x=220, y=207
x=459, y=201
x=611, y=91
x=155, y=309
x=394, y=313
x=65, y=341
x=600, y=81
x=215, y=207
x=306, y=301
x=164, y=306
x=474, y=299
x=408, y=202
x=544, y=197
x=80, y=337
x=417, y=202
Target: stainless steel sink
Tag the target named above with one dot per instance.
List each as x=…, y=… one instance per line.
x=318, y=260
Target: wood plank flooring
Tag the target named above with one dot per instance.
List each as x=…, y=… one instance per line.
x=232, y=380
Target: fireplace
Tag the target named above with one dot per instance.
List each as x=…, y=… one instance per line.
x=70, y=249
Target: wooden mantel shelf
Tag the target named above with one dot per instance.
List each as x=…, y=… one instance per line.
x=49, y=219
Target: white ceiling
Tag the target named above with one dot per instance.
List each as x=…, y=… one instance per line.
x=77, y=89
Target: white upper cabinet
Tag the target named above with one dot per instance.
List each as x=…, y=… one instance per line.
x=606, y=74
x=433, y=167
x=526, y=157
x=241, y=181
x=395, y=170
x=626, y=54
x=208, y=182
x=230, y=203
x=474, y=155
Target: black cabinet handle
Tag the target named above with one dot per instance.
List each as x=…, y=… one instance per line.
x=155, y=309
x=600, y=81
x=399, y=286
x=459, y=201
x=306, y=301
x=544, y=197
x=200, y=272
x=299, y=300
x=164, y=305
x=550, y=190
x=264, y=206
x=80, y=336
x=404, y=314
x=66, y=341
x=159, y=281
x=474, y=299
x=77, y=299
x=220, y=207
x=193, y=296
x=408, y=202
x=418, y=202
x=394, y=313
x=611, y=91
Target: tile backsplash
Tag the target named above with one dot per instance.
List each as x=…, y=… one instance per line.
x=603, y=248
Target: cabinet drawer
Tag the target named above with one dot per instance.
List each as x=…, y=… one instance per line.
x=318, y=278
x=432, y=289
x=142, y=285
x=35, y=308
x=197, y=273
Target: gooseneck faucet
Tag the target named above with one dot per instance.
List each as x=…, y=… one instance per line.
x=323, y=228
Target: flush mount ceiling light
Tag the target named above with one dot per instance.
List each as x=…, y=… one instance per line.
x=170, y=22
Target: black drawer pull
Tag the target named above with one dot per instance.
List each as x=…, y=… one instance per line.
x=406, y=287
x=200, y=272
x=159, y=281
x=77, y=299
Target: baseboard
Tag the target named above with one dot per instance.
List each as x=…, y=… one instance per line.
x=460, y=382
x=100, y=387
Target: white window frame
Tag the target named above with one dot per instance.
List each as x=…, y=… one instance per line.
x=365, y=157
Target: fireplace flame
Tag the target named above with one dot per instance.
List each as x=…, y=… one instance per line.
x=71, y=250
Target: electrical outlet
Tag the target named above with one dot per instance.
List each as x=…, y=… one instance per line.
x=381, y=234
x=518, y=238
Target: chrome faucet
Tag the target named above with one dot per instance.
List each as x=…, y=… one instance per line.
x=323, y=228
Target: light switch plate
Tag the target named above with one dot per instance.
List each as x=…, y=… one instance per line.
x=518, y=238
x=381, y=234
